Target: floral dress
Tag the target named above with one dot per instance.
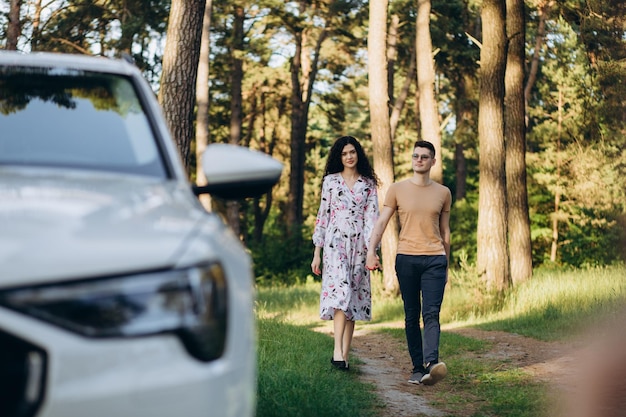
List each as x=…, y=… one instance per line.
x=343, y=228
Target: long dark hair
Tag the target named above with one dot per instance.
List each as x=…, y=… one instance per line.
x=334, y=164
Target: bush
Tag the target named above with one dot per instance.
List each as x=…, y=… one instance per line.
x=281, y=260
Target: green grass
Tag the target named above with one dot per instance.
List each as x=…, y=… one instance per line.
x=296, y=304
x=295, y=379
x=551, y=306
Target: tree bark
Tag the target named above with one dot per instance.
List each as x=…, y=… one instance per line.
x=518, y=221
x=303, y=73
x=554, y=247
x=261, y=213
x=180, y=67
x=381, y=133
x=543, y=9
x=298, y=140
x=465, y=127
x=236, y=123
x=492, y=257
x=202, y=102
x=400, y=101
x=34, y=41
x=14, y=28
x=429, y=116
x=392, y=55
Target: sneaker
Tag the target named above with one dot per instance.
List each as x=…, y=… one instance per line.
x=416, y=377
x=435, y=372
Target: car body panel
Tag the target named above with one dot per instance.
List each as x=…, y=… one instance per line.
x=66, y=225
x=110, y=224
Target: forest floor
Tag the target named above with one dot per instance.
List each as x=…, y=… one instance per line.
x=384, y=362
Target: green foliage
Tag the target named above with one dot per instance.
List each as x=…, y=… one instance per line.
x=576, y=111
x=597, y=240
x=466, y=295
x=463, y=221
x=281, y=260
x=91, y=27
x=576, y=157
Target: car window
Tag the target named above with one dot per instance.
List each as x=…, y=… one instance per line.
x=78, y=119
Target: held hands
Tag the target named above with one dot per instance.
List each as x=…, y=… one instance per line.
x=373, y=261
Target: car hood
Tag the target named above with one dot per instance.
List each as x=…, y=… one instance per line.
x=57, y=226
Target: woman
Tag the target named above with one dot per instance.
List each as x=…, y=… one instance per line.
x=345, y=219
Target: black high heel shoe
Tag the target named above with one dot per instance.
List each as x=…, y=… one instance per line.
x=339, y=364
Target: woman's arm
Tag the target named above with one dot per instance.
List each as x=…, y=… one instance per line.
x=373, y=261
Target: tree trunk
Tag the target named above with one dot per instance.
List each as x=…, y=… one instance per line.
x=465, y=128
x=392, y=55
x=542, y=10
x=400, y=101
x=298, y=140
x=202, y=102
x=236, y=50
x=557, y=189
x=429, y=116
x=262, y=213
x=492, y=258
x=303, y=73
x=381, y=133
x=125, y=43
x=518, y=221
x=34, y=41
x=14, y=28
x=180, y=67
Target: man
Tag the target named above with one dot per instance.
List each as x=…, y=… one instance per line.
x=422, y=258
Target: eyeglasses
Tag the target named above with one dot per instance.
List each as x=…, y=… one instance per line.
x=421, y=157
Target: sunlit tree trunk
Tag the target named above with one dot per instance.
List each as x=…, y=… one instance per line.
x=36, y=25
x=557, y=189
x=14, y=28
x=177, y=95
x=429, y=116
x=492, y=258
x=202, y=102
x=381, y=134
x=518, y=221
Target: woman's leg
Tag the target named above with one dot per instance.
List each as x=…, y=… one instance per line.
x=339, y=325
x=347, y=339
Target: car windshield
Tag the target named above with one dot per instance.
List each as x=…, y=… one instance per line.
x=77, y=119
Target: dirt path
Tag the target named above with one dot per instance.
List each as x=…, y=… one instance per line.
x=585, y=377
x=387, y=366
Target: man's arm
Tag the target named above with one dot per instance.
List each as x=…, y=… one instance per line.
x=444, y=229
x=373, y=261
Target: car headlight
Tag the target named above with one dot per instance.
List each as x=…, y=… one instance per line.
x=193, y=303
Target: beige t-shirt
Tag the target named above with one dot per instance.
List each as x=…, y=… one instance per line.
x=419, y=208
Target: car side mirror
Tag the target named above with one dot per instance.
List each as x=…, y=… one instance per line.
x=235, y=172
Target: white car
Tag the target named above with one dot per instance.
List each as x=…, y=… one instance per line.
x=119, y=294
